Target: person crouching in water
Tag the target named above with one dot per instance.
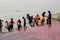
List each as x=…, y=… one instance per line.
x=24, y=20
x=19, y=25
x=1, y=25
x=11, y=23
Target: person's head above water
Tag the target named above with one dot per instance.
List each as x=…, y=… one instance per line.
x=23, y=17
x=37, y=15
x=48, y=11
x=27, y=14
x=11, y=18
x=44, y=12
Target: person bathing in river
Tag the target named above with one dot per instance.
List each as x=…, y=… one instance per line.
x=37, y=18
x=29, y=19
x=24, y=24
x=6, y=24
x=11, y=23
x=19, y=26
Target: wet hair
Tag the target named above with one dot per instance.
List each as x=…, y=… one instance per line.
x=19, y=20
x=49, y=11
x=27, y=14
x=11, y=18
x=44, y=12
x=37, y=15
x=23, y=17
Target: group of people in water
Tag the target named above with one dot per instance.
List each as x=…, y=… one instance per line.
x=31, y=20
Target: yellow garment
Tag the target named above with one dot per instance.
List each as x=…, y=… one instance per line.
x=41, y=18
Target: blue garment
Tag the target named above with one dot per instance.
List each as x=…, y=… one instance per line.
x=30, y=19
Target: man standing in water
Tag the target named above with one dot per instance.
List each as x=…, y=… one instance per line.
x=49, y=18
x=24, y=20
x=11, y=23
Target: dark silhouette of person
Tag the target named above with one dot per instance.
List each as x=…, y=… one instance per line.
x=49, y=18
x=24, y=24
x=11, y=23
x=43, y=20
x=33, y=19
x=43, y=14
x=1, y=25
x=29, y=19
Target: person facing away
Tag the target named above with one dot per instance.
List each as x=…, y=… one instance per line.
x=11, y=23
x=49, y=18
x=43, y=14
x=29, y=19
x=24, y=24
x=42, y=18
x=19, y=25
